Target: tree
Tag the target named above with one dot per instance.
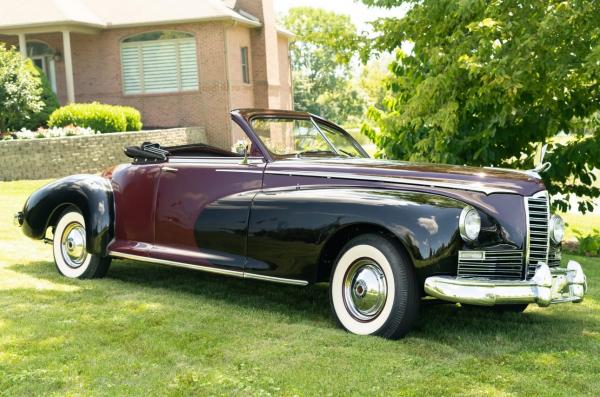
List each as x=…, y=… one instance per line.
x=20, y=90
x=326, y=43
x=48, y=97
x=487, y=80
x=372, y=81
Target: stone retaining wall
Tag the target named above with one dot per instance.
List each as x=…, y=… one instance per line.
x=57, y=157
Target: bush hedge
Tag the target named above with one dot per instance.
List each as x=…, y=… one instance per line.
x=97, y=116
x=133, y=118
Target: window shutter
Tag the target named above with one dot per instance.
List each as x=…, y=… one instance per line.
x=131, y=64
x=188, y=65
x=159, y=65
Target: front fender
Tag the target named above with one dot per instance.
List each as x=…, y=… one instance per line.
x=288, y=229
x=91, y=194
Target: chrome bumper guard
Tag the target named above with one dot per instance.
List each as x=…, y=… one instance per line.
x=547, y=286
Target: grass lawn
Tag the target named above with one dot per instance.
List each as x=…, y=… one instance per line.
x=153, y=330
x=583, y=223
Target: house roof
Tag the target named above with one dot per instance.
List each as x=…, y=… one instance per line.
x=114, y=13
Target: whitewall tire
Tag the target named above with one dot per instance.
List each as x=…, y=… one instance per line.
x=373, y=288
x=69, y=247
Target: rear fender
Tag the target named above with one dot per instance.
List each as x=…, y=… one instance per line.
x=92, y=195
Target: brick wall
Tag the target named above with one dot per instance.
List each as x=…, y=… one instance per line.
x=98, y=77
x=57, y=157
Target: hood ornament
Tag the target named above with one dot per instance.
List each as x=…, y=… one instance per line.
x=538, y=160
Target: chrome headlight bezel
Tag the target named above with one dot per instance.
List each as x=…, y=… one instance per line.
x=556, y=229
x=469, y=224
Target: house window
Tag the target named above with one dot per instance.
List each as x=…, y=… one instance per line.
x=157, y=62
x=245, y=66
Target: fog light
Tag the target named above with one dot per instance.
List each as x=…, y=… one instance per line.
x=471, y=255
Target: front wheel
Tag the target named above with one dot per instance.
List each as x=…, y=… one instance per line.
x=373, y=288
x=70, y=252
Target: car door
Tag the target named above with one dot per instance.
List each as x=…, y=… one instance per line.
x=202, y=210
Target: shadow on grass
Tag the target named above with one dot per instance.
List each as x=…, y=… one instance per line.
x=476, y=330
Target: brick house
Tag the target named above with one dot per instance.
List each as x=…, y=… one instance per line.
x=180, y=62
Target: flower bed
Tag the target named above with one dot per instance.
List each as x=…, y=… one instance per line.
x=54, y=132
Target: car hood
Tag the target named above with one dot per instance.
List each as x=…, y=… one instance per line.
x=486, y=180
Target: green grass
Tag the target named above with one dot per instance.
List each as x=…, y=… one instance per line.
x=153, y=330
x=583, y=223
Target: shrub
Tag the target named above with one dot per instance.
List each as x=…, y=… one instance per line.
x=99, y=117
x=48, y=97
x=588, y=245
x=133, y=118
x=20, y=90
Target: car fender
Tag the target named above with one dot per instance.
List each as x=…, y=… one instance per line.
x=92, y=195
x=288, y=229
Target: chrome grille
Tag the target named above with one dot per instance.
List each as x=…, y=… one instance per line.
x=537, y=239
x=554, y=256
x=505, y=264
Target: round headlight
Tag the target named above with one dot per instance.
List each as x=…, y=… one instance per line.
x=557, y=229
x=469, y=224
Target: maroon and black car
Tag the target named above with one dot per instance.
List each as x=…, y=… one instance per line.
x=303, y=203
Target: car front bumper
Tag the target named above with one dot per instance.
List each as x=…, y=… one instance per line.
x=548, y=286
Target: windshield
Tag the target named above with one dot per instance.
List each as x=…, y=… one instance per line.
x=287, y=137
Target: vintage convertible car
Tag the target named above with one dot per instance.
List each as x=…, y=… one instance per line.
x=303, y=203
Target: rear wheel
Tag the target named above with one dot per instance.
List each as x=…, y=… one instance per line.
x=70, y=252
x=373, y=288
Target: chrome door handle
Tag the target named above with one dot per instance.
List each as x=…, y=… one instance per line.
x=169, y=169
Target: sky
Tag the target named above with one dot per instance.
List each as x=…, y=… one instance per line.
x=360, y=13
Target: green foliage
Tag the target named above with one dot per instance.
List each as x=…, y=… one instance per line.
x=48, y=97
x=99, y=117
x=325, y=44
x=20, y=90
x=589, y=245
x=133, y=118
x=487, y=80
x=372, y=81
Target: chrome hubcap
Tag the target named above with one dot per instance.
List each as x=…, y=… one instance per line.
x=73, y=245
x=365, y=289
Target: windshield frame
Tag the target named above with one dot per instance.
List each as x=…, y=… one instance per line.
x=315, y=120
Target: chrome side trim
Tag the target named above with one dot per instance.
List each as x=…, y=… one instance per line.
x=234, y=273
x=475, y=187
x=215, y=160
x=275, y=279
x=208, y=269
x=237, y=171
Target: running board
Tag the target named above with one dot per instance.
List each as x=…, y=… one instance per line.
x=208, y=269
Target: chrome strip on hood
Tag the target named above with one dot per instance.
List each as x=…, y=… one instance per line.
x=475, y=187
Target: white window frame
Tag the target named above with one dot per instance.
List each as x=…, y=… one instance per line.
x=139, y=45
x=48, y=63
x=245, y=65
